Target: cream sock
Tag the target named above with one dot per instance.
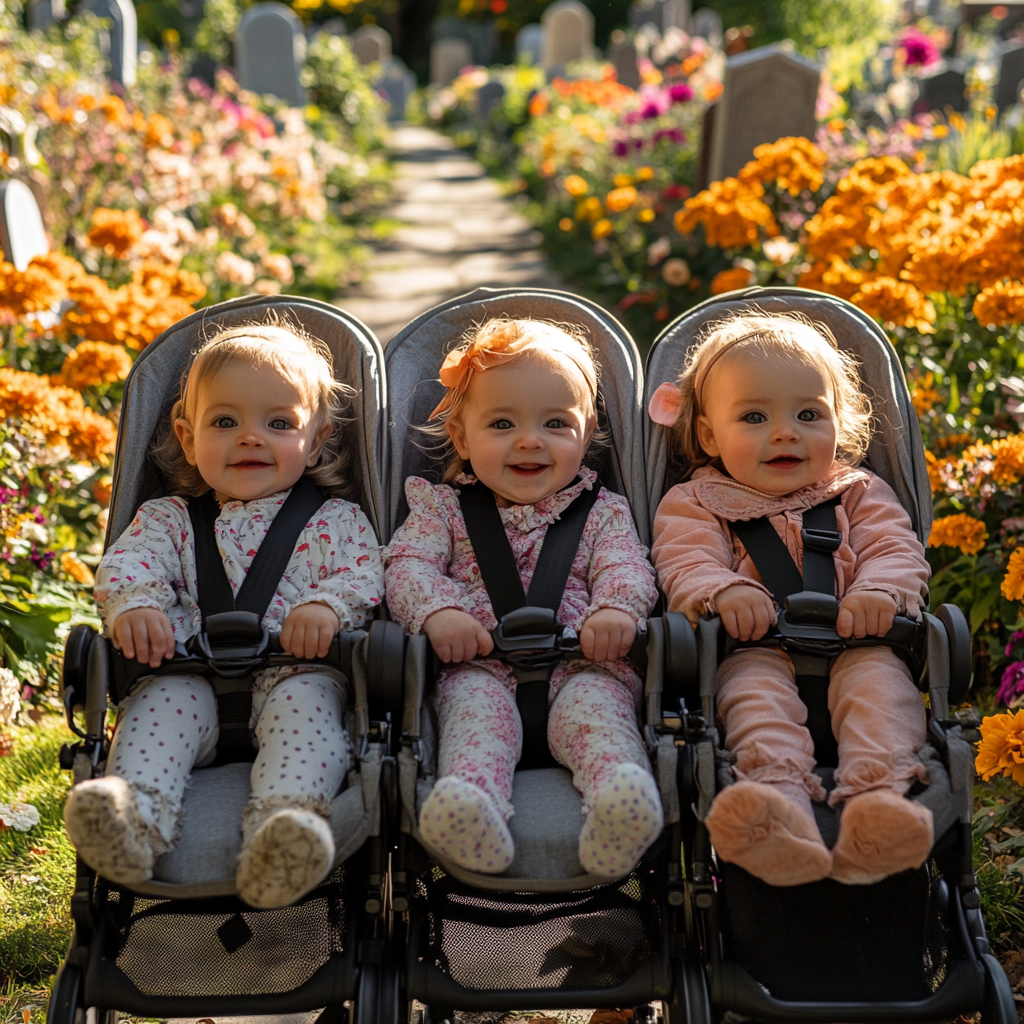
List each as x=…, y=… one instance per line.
x=461, y=821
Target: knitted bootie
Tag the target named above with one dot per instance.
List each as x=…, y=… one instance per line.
x=760, y=829
x=880, y=833
x=461, y=821
x=625, y=817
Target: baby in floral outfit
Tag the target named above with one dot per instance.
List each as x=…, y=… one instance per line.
x=771, y=414
x=518, y=416
x=259, y=409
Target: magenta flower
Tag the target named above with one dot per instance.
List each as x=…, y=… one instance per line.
x=680, y=92
x=919, y=48
x=1012, y=684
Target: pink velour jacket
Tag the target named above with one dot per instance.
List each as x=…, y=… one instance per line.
x=697, y=556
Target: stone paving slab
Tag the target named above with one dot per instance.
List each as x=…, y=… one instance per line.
x=457, y=232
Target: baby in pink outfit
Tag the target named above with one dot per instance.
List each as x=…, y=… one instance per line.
x=519, y=415
x=769, y=415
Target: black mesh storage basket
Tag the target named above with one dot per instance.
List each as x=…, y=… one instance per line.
x=840, y=943
x=220, y=947
x=497, y=941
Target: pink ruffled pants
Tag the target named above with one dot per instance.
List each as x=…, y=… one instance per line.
x=878, y=718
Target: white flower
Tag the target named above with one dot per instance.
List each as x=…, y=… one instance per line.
x=780, y=250
x=10, y=696
x=33, y=531
x=676, y=272
x=658, y=250
x=18, y=816
x=231, y=267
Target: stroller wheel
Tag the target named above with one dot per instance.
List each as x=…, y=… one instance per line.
x=999, y=1006
x=378, y=996
x=66, y=997
x=689, y=1003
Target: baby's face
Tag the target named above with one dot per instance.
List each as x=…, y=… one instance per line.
x=524, y=430
x=769, y=420
x=252, y=435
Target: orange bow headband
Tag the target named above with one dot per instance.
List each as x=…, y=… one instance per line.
x=496, y=348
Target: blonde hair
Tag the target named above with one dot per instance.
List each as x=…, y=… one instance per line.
x=302, y=360
x=563, y=346
x=787, y=334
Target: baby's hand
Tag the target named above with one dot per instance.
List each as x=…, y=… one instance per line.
x=865, y=613
x=144, y=634
x=608, y=634
x=308, y=630
x=456, y=636
x=746, y=612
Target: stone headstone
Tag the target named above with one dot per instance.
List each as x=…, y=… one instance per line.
x=707, y=24
x=701, y=177
x=270, y=47
x=42, y=14
x=568, y=34
x=768, y=93
x=123, y=39
x=1011, y=74
x=22, y=234
x=482, y=36
x=941, y=90
x=489, y=96
x=447, y=58
x=371, y=43
x=622, y=55
x=397, y=83
x=530, y=42
x=663, y=14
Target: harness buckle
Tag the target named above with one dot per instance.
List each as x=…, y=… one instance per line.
x=822, y=541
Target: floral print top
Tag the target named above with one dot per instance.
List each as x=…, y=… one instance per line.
x=430, y=564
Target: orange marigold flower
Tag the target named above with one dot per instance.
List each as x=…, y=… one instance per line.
x=1007, y=459
x=95, y=362
x=732, y=212
x=31, y=290
x=71, y=565
x=959, y=531
x=1001, y=303
x=731, y=280
x=64, y=268
x=924, y=395
x=115, y=111
x=159, y=131
x=576, y=186
x=103, y=489
x=795, y=164
x=116, y=232
x=601, y=229
x=620, y=199
x=834, y=276
x=539, y=105
x=897, y=303
x=1001, y=751
x=937, y=471
x=1013, y=582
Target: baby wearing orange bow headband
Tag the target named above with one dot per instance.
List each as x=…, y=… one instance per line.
x=519, y=415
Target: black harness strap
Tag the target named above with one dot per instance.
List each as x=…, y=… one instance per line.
x=778, y=571
x=505, y=590
x=234, y=707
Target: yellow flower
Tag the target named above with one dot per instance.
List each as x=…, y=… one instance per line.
x=924, y=396
x=602, y=228
x=620, y=199
x=95, y=362
x=732, y=212
x=71, y=565
x=576, y=186
x=645, y=216
x=896, y=302
x=1001, y=751
x=1001, y=303
x=565, y=224
x=1013, y=582
x=622, y=180
x=959, y=531
x=115, y=231
x=644, y=173
x=731, y=280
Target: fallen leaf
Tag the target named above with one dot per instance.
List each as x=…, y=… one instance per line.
x=39, y=851
x=26, y=1015
x=6, y=744
x=611, y=1016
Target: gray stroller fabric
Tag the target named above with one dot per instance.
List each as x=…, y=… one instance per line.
x=153, y=384
x=202, y=863
x=896, y=452
x=414, y=358
x=548, y=818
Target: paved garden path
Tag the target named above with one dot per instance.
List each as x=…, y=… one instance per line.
x=457, y=232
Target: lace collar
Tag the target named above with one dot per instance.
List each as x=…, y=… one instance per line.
x=267, y=507
x=529, y=517
x=733, y=501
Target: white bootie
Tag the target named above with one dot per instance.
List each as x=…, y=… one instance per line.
x=103, y=822
x=625, y=818
x=461, y=821
x=288, y=855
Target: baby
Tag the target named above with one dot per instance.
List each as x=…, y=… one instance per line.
x=519, y=415
x=769, y=415
x=259, y=409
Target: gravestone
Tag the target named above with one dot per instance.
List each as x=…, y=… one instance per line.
x=621, y=55
x=122, y=43
x=482, y=36
x=447, y=58
x=489, y=96
x=42, y=14
x=707, y=135
x=941, y=90
x=1011, y=74
x=663, y=14
x=768, y=93
x=370, y=43
x=270, y=47
x=530, y=43
x=568, y=34
x=708, y=25
x=22, y=234
x=398, y=84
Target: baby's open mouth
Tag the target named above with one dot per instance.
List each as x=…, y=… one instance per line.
x=785, y=461
x=528, y=468
x=249, y=464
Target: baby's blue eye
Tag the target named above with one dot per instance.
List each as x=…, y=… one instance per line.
x=279, y=424
x=556, y=424
x=225, y=422
x=502, y=424
x=807, y=415
x=755, y=417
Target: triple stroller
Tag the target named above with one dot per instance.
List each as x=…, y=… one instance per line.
x=397, y=931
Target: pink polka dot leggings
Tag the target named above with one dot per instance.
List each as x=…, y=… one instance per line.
x=170, y=725
x=592, y=730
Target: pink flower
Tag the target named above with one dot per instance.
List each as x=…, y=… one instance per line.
x=680, y=92
x=919, y=48
x=1012, y=683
